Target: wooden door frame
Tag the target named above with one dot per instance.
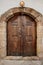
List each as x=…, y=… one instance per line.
x=35, y=33
x=10, y=13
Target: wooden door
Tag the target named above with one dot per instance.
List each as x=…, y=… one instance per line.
x=21, y=36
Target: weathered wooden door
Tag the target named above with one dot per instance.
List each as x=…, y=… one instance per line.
x=21, y=35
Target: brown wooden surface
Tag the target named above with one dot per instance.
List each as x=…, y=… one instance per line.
x=21, y=36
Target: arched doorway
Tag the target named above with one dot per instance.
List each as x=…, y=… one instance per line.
x=21, y=35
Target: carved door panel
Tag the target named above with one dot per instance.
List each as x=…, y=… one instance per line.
x=29, y=36
x=21, y=36
x=14, y=39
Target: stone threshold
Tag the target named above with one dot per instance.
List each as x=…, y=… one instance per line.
x=21, y=58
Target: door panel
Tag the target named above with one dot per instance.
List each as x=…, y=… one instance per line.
x=21, y=36
x=30, y=38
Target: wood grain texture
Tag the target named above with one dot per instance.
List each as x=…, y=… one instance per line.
x=21, y=35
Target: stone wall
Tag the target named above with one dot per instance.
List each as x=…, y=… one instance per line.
x=2, y=39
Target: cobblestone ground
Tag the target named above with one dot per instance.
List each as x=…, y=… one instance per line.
x=21, y=62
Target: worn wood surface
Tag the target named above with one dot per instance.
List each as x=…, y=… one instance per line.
x=21, y=35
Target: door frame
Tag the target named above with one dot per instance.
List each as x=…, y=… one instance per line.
x=29, y=11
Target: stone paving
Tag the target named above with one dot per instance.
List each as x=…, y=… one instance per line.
x=21, y=62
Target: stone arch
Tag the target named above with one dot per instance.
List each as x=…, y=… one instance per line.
x=38, y=17
x=31, y=12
